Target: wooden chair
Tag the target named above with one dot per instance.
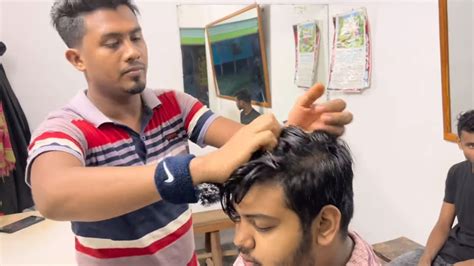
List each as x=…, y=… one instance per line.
x=389, y=250
x=210, y=223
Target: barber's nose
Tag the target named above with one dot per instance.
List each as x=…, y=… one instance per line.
x=243, y=237
x=132, y=52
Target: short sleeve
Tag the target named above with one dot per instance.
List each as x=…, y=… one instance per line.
x=197, y=117
x=56, y=134
x=450, y=188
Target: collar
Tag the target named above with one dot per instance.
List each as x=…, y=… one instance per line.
x=82, y=105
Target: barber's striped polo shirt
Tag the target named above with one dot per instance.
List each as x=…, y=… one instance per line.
x=159, y=234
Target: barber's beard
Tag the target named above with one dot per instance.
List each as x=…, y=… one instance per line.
x=136, y=90
x=138, y=87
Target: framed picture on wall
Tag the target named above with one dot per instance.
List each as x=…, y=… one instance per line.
x=238, y=55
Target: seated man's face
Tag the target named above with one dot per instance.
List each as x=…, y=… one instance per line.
x=268, y=232
x=466, y=144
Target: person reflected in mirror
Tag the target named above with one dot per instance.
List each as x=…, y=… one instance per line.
x=293, y=205
x=448, y=245
x=244, y=104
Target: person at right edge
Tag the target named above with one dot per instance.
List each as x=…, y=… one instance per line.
x=449, y=245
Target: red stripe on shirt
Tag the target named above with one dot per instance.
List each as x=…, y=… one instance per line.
x=196, y=107
x=105, y=134
x=55, y=135
x=168, y=109
x=109, y=253
x=193, y=261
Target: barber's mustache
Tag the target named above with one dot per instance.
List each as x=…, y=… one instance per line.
x=133, y=67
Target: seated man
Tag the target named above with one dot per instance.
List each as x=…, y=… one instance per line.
x=455, y=245
x=292, y=206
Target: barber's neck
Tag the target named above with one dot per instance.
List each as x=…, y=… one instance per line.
x=126, y=108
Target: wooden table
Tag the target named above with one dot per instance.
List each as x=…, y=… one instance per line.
x=211, y=223
x=45, y=243
x=391, y=249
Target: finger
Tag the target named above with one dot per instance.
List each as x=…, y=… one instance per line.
x=264, y=122
x=333, y=130
x=266, y=140
x=311, y=95
x=336, y=105
x=276, y=127
x=337, y=119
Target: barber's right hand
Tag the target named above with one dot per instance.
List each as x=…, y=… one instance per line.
x=262, y=133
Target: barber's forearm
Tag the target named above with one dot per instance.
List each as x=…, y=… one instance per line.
x=220, y=131
x=211, y=167
x=95, y=193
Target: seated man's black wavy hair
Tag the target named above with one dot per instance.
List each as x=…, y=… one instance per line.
x=314, y=170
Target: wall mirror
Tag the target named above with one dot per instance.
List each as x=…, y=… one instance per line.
x=237, y=50
x=456, y=30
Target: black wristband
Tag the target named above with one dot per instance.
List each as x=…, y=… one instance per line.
x=173, y=180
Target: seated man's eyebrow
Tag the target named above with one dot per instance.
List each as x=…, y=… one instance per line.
x=260, y=216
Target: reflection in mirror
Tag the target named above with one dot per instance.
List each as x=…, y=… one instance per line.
x=238, y=55
x=193, y=51
x=456, y=32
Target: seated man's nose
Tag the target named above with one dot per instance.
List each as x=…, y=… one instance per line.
x=244, y=242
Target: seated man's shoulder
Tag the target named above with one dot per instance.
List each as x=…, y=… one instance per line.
x=362, y=253
x=460, y=166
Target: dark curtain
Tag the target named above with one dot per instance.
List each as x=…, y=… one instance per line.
x=15, y=195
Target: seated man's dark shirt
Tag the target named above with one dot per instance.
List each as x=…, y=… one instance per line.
x=460, y=192
x=247, y=119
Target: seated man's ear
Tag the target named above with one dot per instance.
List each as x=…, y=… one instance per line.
x=326, y=226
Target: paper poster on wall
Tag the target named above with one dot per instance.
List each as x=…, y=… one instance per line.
x=307, y=37
x=350, y=68
x=193, y=52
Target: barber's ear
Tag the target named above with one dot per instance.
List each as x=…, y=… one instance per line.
x=74, y=57
x=326, y=226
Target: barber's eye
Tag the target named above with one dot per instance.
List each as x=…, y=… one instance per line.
x=136, y=38
x=112, y=44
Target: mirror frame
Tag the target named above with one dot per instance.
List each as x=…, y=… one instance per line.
x=268, y=102
x=444, y=46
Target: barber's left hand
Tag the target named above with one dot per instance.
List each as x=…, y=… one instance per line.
x=329, y=116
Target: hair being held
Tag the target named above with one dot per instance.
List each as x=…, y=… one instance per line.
x=313, y=169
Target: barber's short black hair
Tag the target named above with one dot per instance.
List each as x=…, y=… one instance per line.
x=66, y=16
x=314, y=170
x=466, y=122
x=243, y=95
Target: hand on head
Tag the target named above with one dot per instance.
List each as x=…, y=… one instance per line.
x=329, y=116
